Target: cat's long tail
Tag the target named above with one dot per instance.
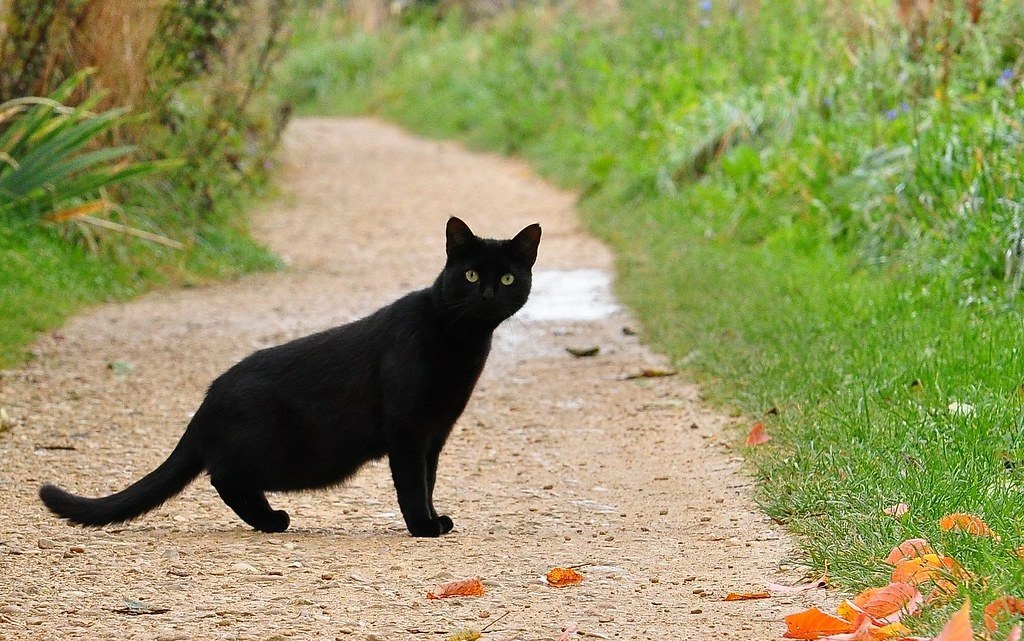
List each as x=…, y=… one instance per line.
x=171, y=477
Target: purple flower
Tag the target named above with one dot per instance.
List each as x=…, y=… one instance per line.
x=705, y=5
x=1005, y=77
x=892, y=114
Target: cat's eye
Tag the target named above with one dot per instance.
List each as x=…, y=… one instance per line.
x=472, y=276
x=508, y=279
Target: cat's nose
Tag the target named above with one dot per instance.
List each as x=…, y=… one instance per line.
x=487, y=293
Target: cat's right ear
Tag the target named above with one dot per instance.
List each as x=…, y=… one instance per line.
x=458, y=235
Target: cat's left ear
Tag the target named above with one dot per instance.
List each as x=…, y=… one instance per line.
x=458, y=235
x=525, y=244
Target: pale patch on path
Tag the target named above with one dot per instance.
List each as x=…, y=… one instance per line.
x=557, y=460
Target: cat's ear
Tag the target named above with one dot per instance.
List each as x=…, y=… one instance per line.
x=525, y=244
x=458, y=235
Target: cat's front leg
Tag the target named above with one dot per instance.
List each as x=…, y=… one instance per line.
x=409, y=470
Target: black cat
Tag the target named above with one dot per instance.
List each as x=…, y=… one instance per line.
x=309, y=413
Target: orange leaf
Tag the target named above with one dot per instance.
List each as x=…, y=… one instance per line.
x=814, y=624
x=929, y=567
x=465, y=587
x=745, y=596
x=909, y=549
x=883, y=605
x=967, y=523
x=758, y=435
x=958, y=628
x=1005, y=605
x=561, y=577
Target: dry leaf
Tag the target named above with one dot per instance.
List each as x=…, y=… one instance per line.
x=800, y=587
x=909, y=549
x=569, y=631
x=561, y=577
x=815, y=624
x=967, y=523
x=1003, y=606
x=884, y=605
x=930, y=567
x=465, y=587
x=650, y=372
x=465, y=635
x=746, y=596
x=898, y=510
x=758, y=435
x=958, y=628
x=1014, y=633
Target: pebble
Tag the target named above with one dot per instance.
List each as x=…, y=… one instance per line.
x=77, y=549
x=244, y=567
x=345, y=630
x=11, y=609
x=327, y=576
x=177, y=570
x=46, y=544
x=696, y=611
x=663, y=512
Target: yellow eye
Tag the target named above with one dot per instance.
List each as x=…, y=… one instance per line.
x=472, y=276
x=508, y=279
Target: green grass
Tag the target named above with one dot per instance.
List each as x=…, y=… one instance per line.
x=810, y=212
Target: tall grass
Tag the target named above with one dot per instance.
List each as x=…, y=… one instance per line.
x=816, y=206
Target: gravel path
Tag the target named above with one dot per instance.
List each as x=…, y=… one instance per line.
x=558, y=461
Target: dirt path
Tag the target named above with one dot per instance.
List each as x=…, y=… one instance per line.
x=557, y=460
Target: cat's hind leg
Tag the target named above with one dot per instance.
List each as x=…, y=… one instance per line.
x=252, y=507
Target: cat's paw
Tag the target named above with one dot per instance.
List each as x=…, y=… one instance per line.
x=431, y=527
x=277, y=521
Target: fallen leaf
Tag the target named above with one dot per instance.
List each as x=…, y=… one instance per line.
x=909, y=549
x=866, y=630
x=1003, y=606
x=815, y=624
x=898, y=510
x=583, y=352
x=800, y=587
x=561, y=577
x=465, y=587
x=569, y=631
x=1014, y=633
x=884, y=605
x=465, y=635
x=650, y=372
x=746, y=596
x=967, y=523
x=958, y=628
x=758, y=435
x=930, y=567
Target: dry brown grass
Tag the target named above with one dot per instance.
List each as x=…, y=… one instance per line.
x=114, y=37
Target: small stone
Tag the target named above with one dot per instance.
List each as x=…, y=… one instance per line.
x=548, y=486
x=655, y=579
x=705, y=519
x=11, y=609
x=327, y=576
x=484, y=614
x=244, y=567
x=171, y=554
x=76, y=549
x=345, y=630
x=663, y=512
x=605, y=618
x=177, y=570
x=696, y=611
x=46, y=544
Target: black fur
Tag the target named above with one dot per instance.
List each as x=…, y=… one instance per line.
x=309, y=413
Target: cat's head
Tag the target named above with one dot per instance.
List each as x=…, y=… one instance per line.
x=484, y=279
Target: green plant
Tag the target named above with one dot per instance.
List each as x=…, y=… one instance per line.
x=50, y=165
